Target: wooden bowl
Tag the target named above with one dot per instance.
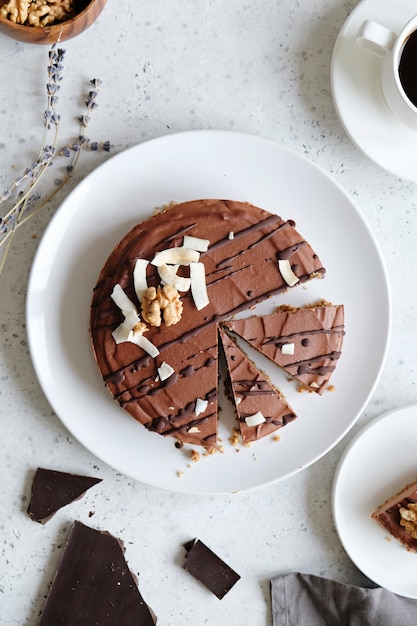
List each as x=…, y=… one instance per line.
x=89, y=12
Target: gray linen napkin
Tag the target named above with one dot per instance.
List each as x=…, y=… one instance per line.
x=307, y=600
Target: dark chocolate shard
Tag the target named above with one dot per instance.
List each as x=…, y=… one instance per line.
x=51, y=490
x=208, y=568
x=93, y=584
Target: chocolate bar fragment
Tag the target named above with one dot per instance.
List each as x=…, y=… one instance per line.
x=51, y=490
x=208, y=568
x=93, y=584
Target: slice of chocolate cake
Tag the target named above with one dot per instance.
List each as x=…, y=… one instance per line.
x=306, y=342
x=162, y=292
x=93, y=584
x=51, y=490
x=261, y=409
x=398, y=515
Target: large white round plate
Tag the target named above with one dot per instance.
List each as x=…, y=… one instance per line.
x=125, y=190
x=378, y=463
x=357, y=92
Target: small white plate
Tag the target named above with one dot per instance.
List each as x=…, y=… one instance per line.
x=379, y=462
x=124, y=191
x=357, y=92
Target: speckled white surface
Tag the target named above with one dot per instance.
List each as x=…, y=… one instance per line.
x=261, y=67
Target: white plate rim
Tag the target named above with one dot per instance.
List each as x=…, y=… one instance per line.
x=205, y=139
x=395, y=557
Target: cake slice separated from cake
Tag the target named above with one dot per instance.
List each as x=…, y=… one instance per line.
x=261, y=409
x=398, y=515
x=306, y=342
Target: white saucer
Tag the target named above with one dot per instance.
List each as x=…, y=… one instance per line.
x=378, y=463
x=357, y=93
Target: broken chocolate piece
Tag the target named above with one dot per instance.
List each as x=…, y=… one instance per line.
x=93, y=584
x=51, y=490
x=208, y=568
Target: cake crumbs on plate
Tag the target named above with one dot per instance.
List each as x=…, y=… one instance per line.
x=234, y=438
x=195, y=456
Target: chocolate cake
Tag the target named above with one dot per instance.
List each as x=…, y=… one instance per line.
x=93, y=584
x=209, y=569
x=51, y=490
x=306, y=342
x=164, y=289
x=398, y=515
x=261, y=409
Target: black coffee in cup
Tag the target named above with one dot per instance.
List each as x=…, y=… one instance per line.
x=408, y=68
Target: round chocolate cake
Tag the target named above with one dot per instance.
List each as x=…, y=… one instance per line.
x=162, y=293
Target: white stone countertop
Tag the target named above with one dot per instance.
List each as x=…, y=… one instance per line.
x=260, y=67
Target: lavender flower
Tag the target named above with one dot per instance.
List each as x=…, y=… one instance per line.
x=27, y=199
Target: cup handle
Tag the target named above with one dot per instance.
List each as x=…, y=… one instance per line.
x=375, y=38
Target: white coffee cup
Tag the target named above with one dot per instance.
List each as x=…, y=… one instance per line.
x=393, y=49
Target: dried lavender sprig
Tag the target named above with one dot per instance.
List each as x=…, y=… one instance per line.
x=84, y=119
x=32, y=173
x=29, y=202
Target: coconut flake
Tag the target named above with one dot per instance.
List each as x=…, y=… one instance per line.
x=165, y=371
x=122, y=332
x=141, y=341
x=124, y=303
x=195, y=243
x=198, y=285
x=231, y=235
x=200, y=406
x=168, y=275
x=255, y=419
x=172, y=256
x=288, y=348
x=139, y=277
x=286, y=272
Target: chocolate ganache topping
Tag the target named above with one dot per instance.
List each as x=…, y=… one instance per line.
x=252, y=254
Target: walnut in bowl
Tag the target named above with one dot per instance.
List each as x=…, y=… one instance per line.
x=47, y=21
